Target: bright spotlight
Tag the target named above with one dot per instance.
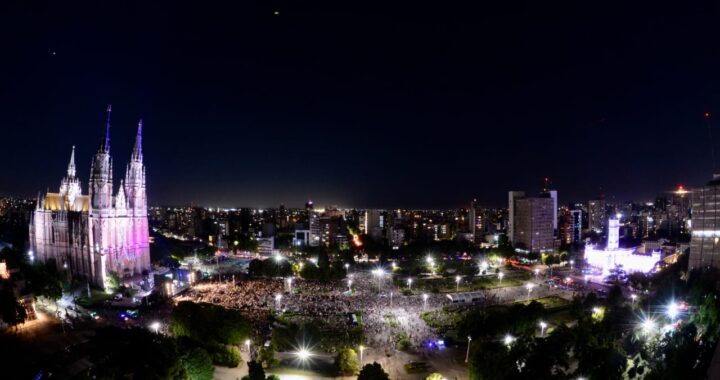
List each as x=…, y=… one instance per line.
x=648, y=326
x=673, y=310
x=508, y=339
x=303, y=354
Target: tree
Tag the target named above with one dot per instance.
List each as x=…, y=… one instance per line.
x=255, y=371
x=135, y=353
x=373, y=371
x=12, y=311
x=347, y=361
x=435, y=376
x=113, y=282
x=198, y=364
x=266, y=356
x=192, y=320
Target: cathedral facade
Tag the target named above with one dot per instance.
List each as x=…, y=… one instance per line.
x=101, y=232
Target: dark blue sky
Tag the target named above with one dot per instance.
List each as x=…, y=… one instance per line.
x=363, y=105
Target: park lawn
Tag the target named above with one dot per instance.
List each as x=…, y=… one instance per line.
x=560, y=317
x=550, y=303
x=97, y=298
x=447, y=284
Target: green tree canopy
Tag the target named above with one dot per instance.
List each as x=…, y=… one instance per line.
x=198, y=364
x=373, y=371
x=12, y=311
x=347, y=361
x=208, y=323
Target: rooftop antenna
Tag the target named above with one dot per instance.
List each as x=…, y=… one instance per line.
x=707, y=116
x=546, y=182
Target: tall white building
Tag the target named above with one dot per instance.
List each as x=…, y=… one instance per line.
x=102, y=232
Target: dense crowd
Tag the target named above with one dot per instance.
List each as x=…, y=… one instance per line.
x=370, y=298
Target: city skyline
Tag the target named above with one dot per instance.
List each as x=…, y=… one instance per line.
x=259, y=105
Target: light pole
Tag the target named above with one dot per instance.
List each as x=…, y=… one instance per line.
x=391, y=299
x=457, y=283
x=543, y=326
x=672, y=311
x=425, y=298
x=289, y=283
x=349, y=285
x=155, y=326
x=362, y=349
x=247, y=344
x=278, y=298
x=409, y=282
x=500, y=276
x=633, y=297
x=467, y=354
x=537, y=272
x=529, y=289
x=347, y=267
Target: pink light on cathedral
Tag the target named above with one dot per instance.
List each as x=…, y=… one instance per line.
x=103, y=231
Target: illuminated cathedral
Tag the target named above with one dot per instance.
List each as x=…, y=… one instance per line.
x=101, y=232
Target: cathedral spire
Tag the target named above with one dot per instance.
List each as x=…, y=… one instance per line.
x=137, y=150
x=105, y=146
x=71, y=166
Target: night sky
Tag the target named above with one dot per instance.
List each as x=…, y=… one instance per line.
x=359, y=105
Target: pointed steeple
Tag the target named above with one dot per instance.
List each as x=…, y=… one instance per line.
x=137, y=150
x=105, y=145
x=71, y=166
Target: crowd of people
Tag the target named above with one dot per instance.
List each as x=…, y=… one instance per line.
x=330, y=302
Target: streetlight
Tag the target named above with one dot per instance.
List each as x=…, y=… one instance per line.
x=155, y=326
x=303, y=354
x=537, y=272
x=508, y=339
x=347, y=266
x=529, y=287
x=648, y=326
x=278, y=258
x=633, y=297
x=483, y=267
x=409, y=283
x=672, y=311
x=278, y=298
x=467, y=354
x=500, y=276
x=457, y=283
x=362, y=349
x=425, y=298
x=289, y=282
x=349, y=285
x=247, y=344
x=543, y=326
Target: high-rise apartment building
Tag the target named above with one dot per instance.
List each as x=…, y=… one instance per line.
x=531, y=222
x=704, y=244
x=596, y=215
x=512, y=195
